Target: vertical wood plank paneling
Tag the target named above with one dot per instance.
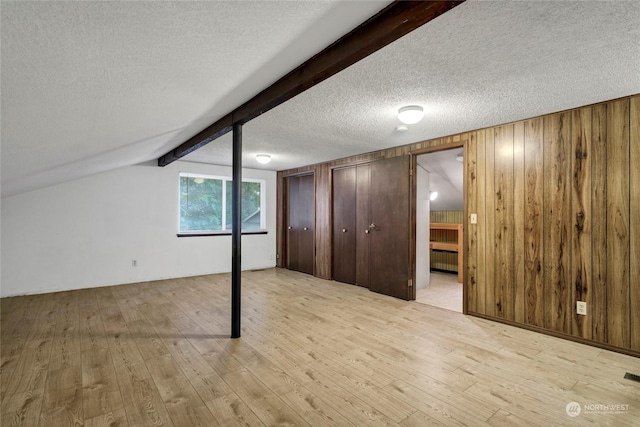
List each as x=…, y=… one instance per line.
x=618, y=224
x=557, y=222
x=634, y=215
x=471, y=230
x=445, y=260
x=518, y=221
x=503, y=234
x=598, y=307
x=533, y=223
x=490, y=247
x=481, y=227
x=448, y=217
x=323, y=221
x=581, y=262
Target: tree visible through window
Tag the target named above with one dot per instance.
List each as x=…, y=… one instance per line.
x=251, y=211
x=205, y=204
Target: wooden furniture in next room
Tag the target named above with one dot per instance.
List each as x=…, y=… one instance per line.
x=450, y=245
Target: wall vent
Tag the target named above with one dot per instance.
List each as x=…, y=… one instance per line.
x=632, y=377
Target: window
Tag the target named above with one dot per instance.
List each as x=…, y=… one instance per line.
x=205, y=204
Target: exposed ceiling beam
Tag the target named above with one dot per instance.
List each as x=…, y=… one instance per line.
x=388, y=25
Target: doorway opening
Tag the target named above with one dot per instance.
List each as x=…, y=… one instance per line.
x=439, y=228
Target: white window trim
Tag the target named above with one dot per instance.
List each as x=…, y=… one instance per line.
x=225, y=180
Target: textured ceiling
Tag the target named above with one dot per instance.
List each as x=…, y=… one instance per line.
x=89, y=86
x=92, y=86
x=481, y=64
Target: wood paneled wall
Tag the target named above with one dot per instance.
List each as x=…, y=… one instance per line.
x=558, y=204
x=447, y=217
x=558, y=222
x=443, y=260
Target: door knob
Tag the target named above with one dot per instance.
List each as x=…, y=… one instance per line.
x=289, y=228
x=344, y=230
x=366, y=231
x=305, y=229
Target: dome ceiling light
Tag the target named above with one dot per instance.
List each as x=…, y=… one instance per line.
x=410, y=114
x=263, y=158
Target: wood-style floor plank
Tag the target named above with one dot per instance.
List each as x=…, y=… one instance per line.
x=62, y=407
x=100, y=386
x=230, y=410
x=314, y=410
x=503, y=418
x=21, y=409
x=180, y=398
x=111, y=419
x=142, y=401
x=267, y=406
x=312, y=352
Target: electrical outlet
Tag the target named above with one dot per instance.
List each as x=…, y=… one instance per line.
x=134, y=263
x=581, y=308
x=474, y=218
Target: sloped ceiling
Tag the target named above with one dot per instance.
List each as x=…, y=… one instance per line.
x=91, y=86
x=446, y=176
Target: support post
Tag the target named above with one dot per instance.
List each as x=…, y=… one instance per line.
x=236, y=231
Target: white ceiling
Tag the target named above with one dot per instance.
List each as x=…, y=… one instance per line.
x=92, y=86
x=446, y=176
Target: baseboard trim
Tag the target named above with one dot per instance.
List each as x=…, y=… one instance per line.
x=605, y=346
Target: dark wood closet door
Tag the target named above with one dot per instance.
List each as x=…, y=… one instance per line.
x=344, y=225
x=306, y=214
x=363, y=173
x=389, y=227
x=300, y=223
x=292, y=187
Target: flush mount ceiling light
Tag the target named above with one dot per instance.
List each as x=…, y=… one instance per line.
x=263, y=158
x=410, y=114
x=433, y=195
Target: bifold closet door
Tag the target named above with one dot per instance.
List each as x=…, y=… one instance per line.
x=389, y=194
x=373, y=200
x=301, y=223
x=363, y=174
x=292, y=219
x=344, y=225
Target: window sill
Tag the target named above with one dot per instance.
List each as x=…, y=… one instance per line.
x=221, y=233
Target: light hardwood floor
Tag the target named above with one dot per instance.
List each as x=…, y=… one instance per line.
x=312, y=352
x=444, y=291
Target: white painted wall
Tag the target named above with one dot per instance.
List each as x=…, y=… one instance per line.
x=85, y=233
x=423, y=273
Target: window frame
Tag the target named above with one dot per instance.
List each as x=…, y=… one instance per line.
x=224, y=231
